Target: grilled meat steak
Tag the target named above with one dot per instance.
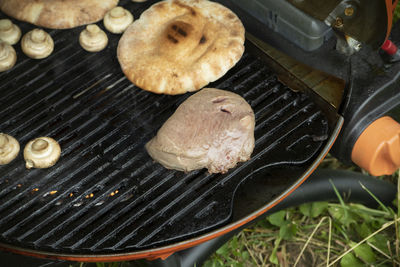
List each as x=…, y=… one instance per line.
x=212, y=129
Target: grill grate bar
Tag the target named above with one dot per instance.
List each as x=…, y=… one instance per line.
x=105, y=138
x=187, y=193
x=195, y=202
x=128, y=206
x=65, y=151
x=27, y=97
x=25, y=67
x=142, y=182
x=102, y=123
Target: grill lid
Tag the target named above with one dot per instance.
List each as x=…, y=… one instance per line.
x=105, y=194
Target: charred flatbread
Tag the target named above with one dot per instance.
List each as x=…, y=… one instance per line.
x=178, y=46
x=57, y=14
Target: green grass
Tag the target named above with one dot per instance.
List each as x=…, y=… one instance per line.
x=317, y=234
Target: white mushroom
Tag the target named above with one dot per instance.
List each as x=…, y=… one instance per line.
x=93, y=39
x=117, y=20
x=42, y=152
x=9, y=32
x=9, y=148
x=37, y=44
x=8, y=57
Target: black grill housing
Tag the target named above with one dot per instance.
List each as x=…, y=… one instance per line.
x=110, y=196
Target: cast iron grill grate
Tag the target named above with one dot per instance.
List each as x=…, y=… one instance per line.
x=105, y=194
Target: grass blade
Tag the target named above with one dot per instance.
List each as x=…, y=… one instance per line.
x=376, y=199
x=386, y=225
x=311, y=236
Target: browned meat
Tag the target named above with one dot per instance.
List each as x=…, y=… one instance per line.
x=212, y=129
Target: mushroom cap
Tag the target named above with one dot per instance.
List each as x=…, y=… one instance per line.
x=42, y=152
x=9, y=148
x=8, y=56
x=93, y=39
x=37, y=44
x=9, y=32
x=118, y=19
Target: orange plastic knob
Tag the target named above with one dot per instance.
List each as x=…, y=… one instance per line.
x=377, y=150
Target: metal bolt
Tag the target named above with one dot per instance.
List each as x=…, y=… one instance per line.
x=338, y=22
x=349, y=11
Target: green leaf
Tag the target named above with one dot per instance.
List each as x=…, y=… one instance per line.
x=223, y=250
x=342, y=215
x=273, y=258
x=318, y=208
x=236, y=253
x=245, y=255
x=209, y=263
x=277, y=218
x=380, y=241
x=305, y=209
x=364, y=252
x=288, y=231
x=349, y=260
x=234, y=242
x=364, y=230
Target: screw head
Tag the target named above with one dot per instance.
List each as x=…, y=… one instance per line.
x=349, y=11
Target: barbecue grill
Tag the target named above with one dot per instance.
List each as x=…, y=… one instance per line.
x=106, y=200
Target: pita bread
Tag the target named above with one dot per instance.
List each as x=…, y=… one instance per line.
x=57, y=14
x=181, y=45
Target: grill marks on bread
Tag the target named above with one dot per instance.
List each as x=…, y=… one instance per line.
x=180, y=46
x=178, y=31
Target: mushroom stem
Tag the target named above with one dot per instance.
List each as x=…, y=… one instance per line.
x=5, y=25
x=117, y=20
x=29, y=164
x=39, y=145
x=37, y=44
x=3, y=140
x=38, y=36
x=117, y=12
x=42, y=152
x=93, y=30
x=3, y=51
x=8, y=57
x=9, y=148
x=93, y=39
x=9, y=32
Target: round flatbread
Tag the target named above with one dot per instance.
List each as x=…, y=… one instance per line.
x=181, y=45
x=57, y=14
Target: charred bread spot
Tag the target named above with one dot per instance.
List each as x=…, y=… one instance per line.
x=230, y=16
x=203, y=39
x=235, y=33
x=160, y=5
x=179, y=30
x=189, y=8
x=172, y=39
